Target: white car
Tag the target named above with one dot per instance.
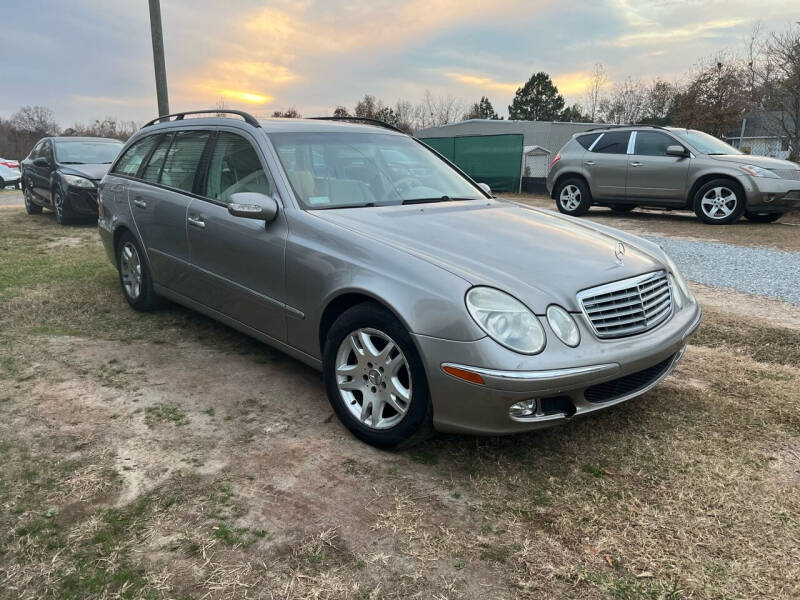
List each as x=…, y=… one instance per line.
x=9, y=173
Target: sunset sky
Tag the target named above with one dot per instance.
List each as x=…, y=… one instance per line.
x=93, y=58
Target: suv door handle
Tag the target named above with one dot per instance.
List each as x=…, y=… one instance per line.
x=198, y=222
x=636, y=164
x=139, y=202
x=588, y=162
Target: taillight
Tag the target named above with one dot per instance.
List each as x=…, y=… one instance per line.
x=554, y=161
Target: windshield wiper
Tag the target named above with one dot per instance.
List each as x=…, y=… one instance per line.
x=439, y=199
x=72, y=162
x=364, y=205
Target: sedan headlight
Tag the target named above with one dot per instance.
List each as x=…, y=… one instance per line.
x=680, y=285
x=506, y=320
x=757, y=171
x=563, y=325
x=76, y=181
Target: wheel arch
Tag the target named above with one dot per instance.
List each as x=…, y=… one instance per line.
x=568, y=175
x=704, y=179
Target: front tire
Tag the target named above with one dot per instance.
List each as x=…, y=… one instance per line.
x=134, y=274
x=756, y=217
x=60, y=208
x=30, y=206
x=375, y=379
x=573, y=197
x=719, y=202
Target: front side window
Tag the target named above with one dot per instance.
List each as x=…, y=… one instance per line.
x=613, y=142
x=129, y=163
x=152, y=171
x=235, y=167
x=86, y=152
x=342, y=169
x=652, y=143
x=182, y=159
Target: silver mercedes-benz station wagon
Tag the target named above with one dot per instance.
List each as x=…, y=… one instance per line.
x=427, y=303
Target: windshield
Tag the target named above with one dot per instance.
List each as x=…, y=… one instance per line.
x=83, y=152
x=702, y=142
x=336, y=170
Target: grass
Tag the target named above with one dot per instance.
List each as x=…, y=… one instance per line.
x=119, y=480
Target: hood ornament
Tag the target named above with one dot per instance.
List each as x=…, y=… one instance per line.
x=619, y=253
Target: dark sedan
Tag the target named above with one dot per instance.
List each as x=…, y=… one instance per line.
x=62, y=173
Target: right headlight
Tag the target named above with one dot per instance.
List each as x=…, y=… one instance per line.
x=506, y=320
x=680, y=284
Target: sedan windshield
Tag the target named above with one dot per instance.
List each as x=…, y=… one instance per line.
x=702, y=142
x=86, y=152
x=339, y=170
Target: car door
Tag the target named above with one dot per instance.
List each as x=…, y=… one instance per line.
x=114, y=188
x=607, y=164
x=238, y=263
x=40, y=173
x=652, y=174
x=159, y=199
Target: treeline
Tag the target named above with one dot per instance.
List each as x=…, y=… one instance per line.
x=29, y=124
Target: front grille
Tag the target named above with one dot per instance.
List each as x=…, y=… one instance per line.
x=788, y=173
x=629, y=306
x=617, y=388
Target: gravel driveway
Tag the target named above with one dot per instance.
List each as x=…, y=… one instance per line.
x=763, y=271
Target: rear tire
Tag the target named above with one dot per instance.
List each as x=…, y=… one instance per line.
x=573, y=197
x=719, y=202
x=756, y=217
x=351, y=381
x=30, y=206
x=134, y=274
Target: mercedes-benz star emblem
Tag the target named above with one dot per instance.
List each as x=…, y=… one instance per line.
x=619, y=253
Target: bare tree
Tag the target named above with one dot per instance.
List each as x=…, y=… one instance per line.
x=660, y=103
x=782, y=84
x=594, y=91
x=35, y=119
x=626, y=102
x=289, y=113
x=441, y=110
x=109, y=127
x=340, y=111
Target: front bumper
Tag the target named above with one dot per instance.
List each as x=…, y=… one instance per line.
x=565, y=384
x=82, y=201
x=773, y=195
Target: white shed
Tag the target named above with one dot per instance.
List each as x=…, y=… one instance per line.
x=536, y=161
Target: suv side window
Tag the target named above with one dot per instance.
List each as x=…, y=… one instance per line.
x=235, y=167
x=152, y=171
x=613, y=142
x=35, y=153
x=180, y=165
x=587, y=140
x=129, y=163
x=652, y=143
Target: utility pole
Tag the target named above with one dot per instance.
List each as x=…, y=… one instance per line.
x=158, y=57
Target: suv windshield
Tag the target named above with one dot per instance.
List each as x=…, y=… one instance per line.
x=338, y=170
x=707, y=144
x=85, y=152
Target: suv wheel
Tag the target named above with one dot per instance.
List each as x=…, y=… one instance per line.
x=573, y=197
x=719, y=202
x=375, y=380
x=757, y=217
x=30, y=206
x=134, y=275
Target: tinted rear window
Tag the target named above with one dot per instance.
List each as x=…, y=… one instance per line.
x=153, y=169
x=587, y=140
x=615, y=142
x=129, y=163
x=182, y=159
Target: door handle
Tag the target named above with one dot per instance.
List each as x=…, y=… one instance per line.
x=588, y=162
x=636, y=164
x=198, y=222
x=139, y=202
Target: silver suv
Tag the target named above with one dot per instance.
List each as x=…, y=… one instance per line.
x=666, y=167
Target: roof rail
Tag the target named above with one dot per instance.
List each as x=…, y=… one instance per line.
x=375, y=122
x=614, y=126
x=250, y=119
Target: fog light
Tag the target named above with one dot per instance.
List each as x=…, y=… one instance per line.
x=526, y=408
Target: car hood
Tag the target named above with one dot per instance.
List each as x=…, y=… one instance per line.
x=764, y=162
x=538, y=256
x=89, y=171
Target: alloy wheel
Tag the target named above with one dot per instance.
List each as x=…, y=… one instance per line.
x=570, y=197
x=373, y=378
x=26, y=196
x=131, y=270
x=718, y=203
x=58, y=204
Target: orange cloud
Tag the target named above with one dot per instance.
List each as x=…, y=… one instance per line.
x=486, y=83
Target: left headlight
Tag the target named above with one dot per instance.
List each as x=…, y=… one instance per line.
x=506, y=320
x=680, y=283
x=76, y=181
x=757, y=171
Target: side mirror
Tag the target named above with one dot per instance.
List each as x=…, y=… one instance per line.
x=41, y=162
x=485, y=187
x=677, y=150
x=252, y=205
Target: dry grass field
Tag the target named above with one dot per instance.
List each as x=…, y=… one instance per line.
x=166, y=456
